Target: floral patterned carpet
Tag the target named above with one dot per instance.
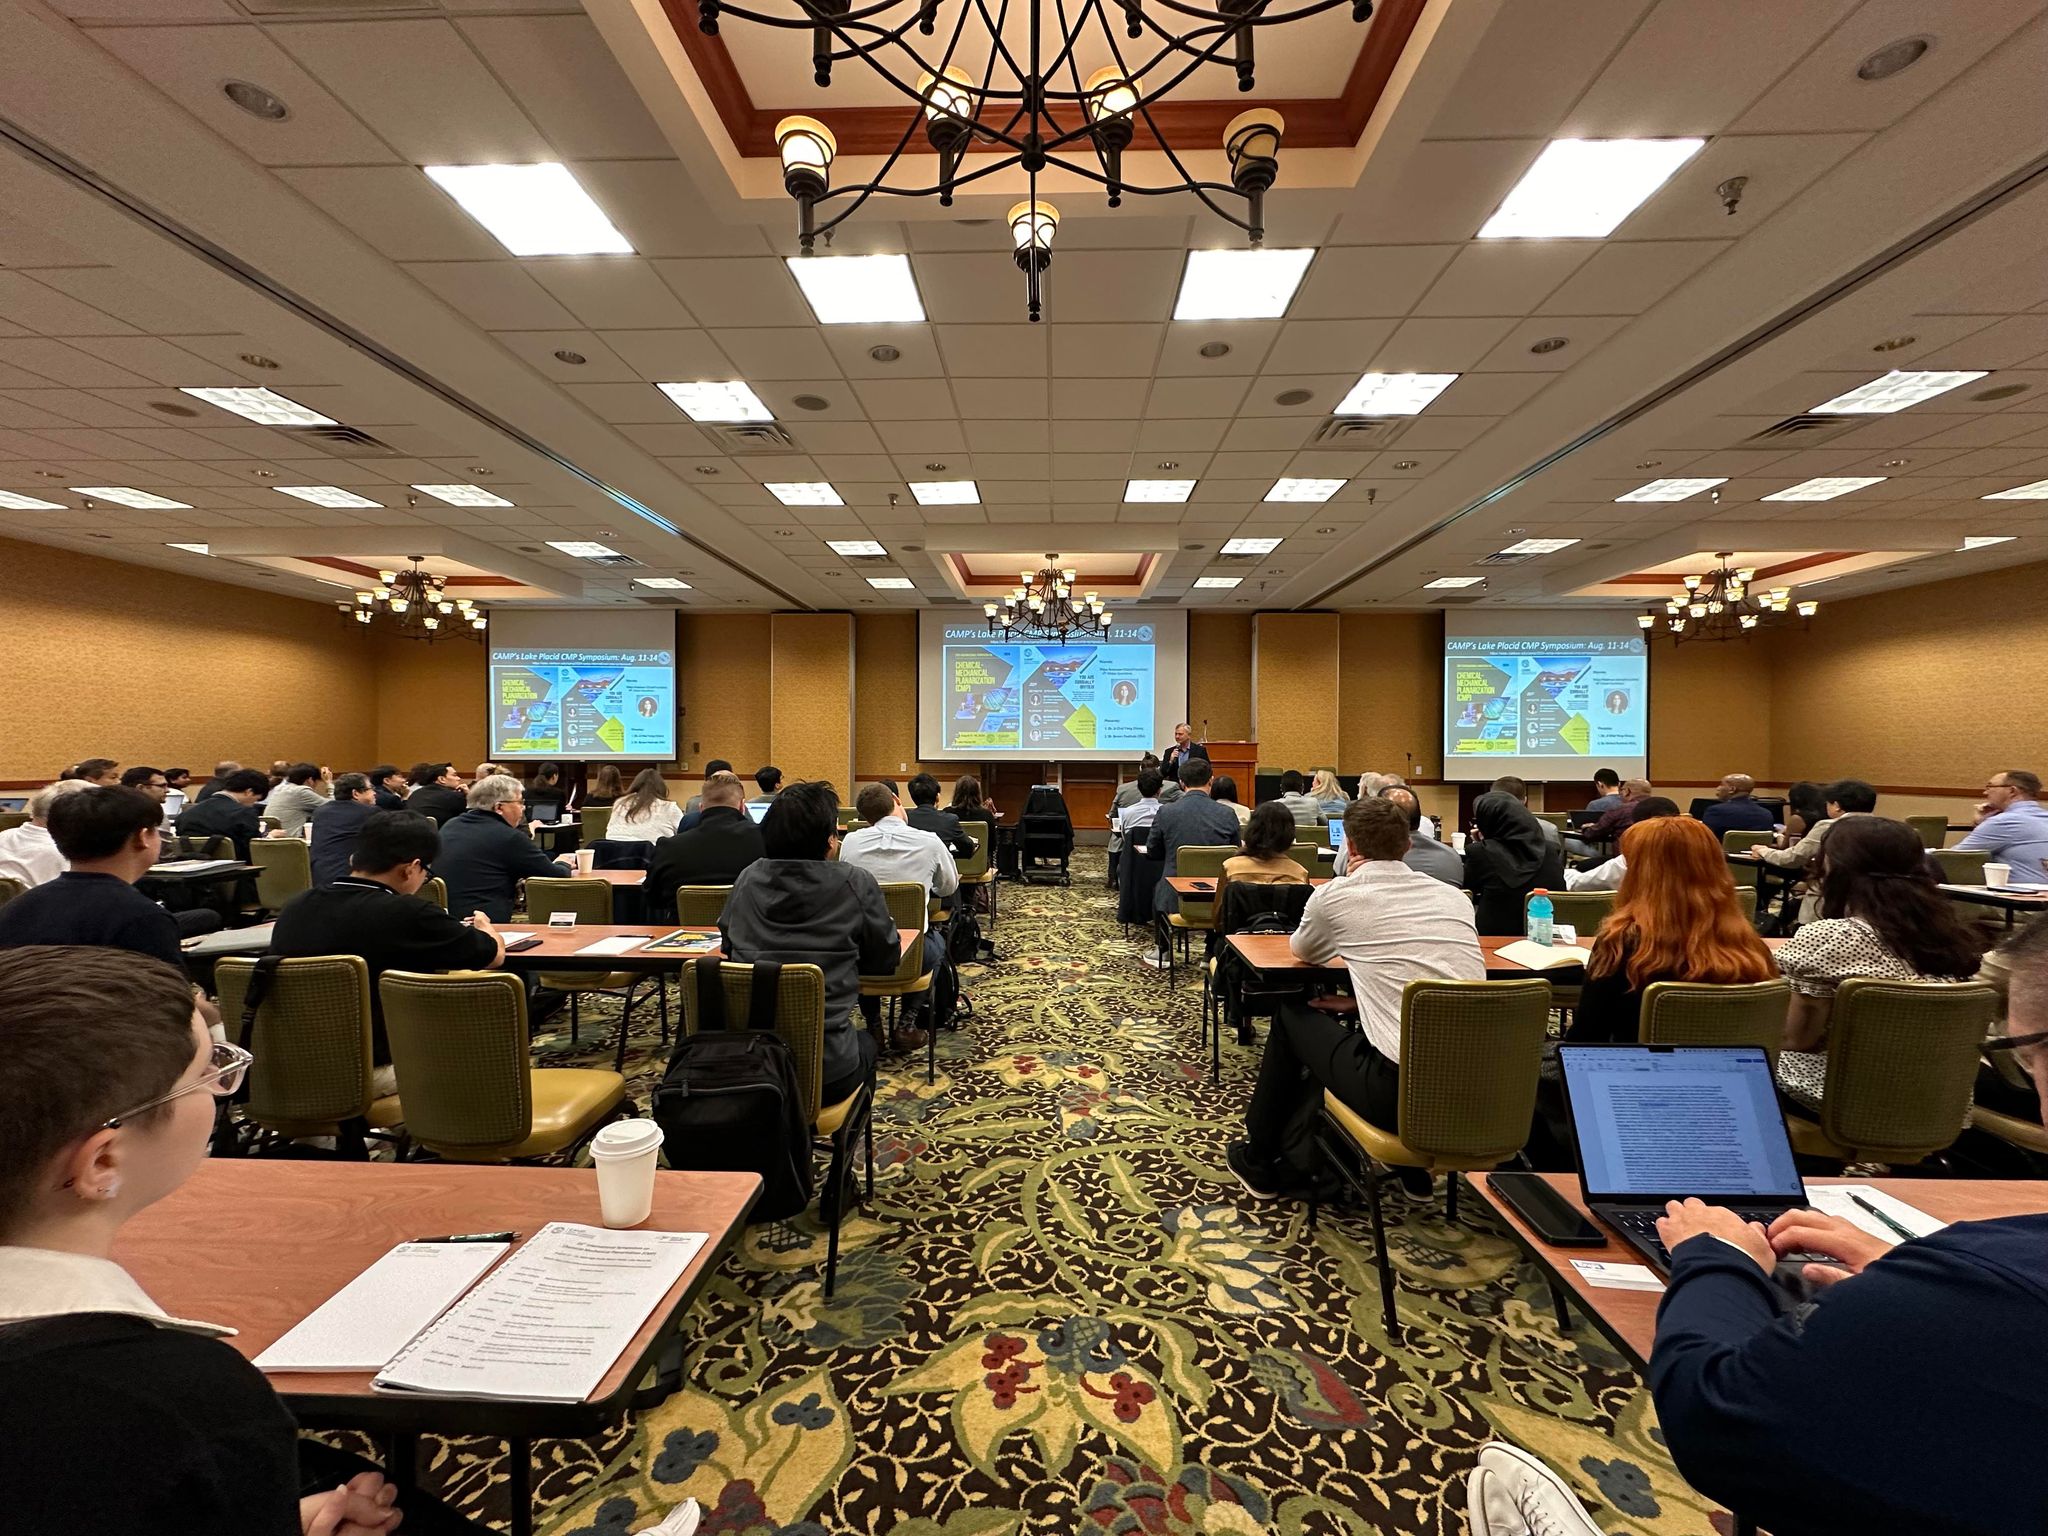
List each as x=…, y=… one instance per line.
x=1061, y=1314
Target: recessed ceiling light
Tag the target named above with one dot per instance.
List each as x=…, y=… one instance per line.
x=810, y=402
x=805, y=493
x=855, y=547
x=1215, y=349
x=1301, y=488
x=1893, y=343
x=662, y=583
x=463, y=495
x=1584, y=188
x=256, y=101
x=1294, y=397
x=1895, y=463
x=1984, y=540
x=573, y=358
x=1894, y=392
x=1217, y=583
x=326, y=496
x=584, y=549
x=884, y=353
x=265, y=407
x=1401, y=464
x=1550, y=344
x=1648, y=463
x=1672, y=490
x=127, y=496
x=2001, y=392
x=1454, y=581
x=1893, y=57
x=1539, y=546
x=1158, y=490
x=945, y=493
x=1394, y=394
x=191, y=549
x=532, y=210
x=1824, y=488
x=172, y=408
x=892, y=583
x=1325, y=530
x=1250, y=546
x=14, y=501
x=717, y=401
x=858, y=290
x=1240, y=285
x=2036, y=490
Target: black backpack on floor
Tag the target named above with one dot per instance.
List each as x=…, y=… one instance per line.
x=946, y=1002
x=730, y=1101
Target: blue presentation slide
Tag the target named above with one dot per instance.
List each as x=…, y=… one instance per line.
x=1003, y=695
x=583, y=703
x=1545, y=696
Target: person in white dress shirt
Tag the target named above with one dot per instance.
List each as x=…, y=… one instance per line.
x=892, y=850
x=28, y=853
x=644, y=814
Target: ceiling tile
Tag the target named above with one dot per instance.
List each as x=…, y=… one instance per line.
x=1250, y=342
x=609, y=291
x=924, y=437
x=1194, y=397
x=1091, y=351
x=990, y=399
x=917, y=353
x=628, y=403
x=1532, y=64
x=737, y=291
x=905, y=400
x=1585, y=332
x=656, y=206
x=497, y=295
x=566, y=79
x=1627, y=277
x=1438, y=345
x=1779, y=168
x=397, y=210
x=1107, y=285
x=671, y=357
x=1326, y=392
x=600, y=364
x=1328, y=346
x=994, y=351
x=1503, y=277
x=1442, y=190
x=978, y=288
x=64, y=364
x=778, y=352
x=1488, y=394
x=1368, y=280
x=52, y=312
x=1009, y=436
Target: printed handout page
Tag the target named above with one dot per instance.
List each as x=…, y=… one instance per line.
x=1843, y=1200
x=1676, y=1126
x=617, y=944
x=369, y=1320
x=551, y=1320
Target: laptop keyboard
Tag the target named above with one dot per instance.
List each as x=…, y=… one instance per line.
x=1640, y=1227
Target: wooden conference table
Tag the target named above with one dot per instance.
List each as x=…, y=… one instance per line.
x=2012, y=903
x=1191, y=885
x=562, y=949
x=257, y=1245
x=1269, y=952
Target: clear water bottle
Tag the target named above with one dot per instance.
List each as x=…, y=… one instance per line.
x=1540, y=914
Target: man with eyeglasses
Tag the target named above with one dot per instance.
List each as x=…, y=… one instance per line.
x=485, y=853
x=2012, y=826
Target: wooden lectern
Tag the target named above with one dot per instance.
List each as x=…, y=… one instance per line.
x=1239, y=759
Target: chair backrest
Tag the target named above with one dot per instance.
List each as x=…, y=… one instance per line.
x=9, y=820
x=269, y=824
x=1137, y=878
x=701, y=906
x=975, y=864
x=848, y=816
x=199, y=845
x=1902, y=1061
x=1933, y=830
x=1745, y=897
x=1743, y=841
x=1244, y=900
x=595, y=819
x=459, y=1045
x=10, y=888
x=1555, y=818
x=907, y=910
x=799, y=1017
x=1305, y=854
x=1201, y=862
x=1584, y=910
x=1701, y=1013
x=311, y=1039
x=589, y=901
x=436, y=891
x=1471, y=1052
x=1959, y=867
x=285, y=868
x=620, y=853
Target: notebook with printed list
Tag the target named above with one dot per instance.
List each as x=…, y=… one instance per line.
x=684, y=942
x=550, y=1321
x=369, y=1320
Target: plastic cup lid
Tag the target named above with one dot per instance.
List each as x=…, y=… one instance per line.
x=626, y=1138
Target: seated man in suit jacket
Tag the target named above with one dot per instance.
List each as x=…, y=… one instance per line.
x=485, y=854
x=724, y=841
x=925, y=815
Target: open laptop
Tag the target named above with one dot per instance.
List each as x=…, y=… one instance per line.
x=1337, y=834
x=1655, y=1123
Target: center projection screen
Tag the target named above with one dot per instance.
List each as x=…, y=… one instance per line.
x=1544, y=695
x=582, y=684
x=1103, y=699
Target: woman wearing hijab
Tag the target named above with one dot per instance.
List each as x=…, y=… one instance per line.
x=1507, y=857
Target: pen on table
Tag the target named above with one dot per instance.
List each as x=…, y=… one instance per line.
x=471, y=1237
x=1864, y=1204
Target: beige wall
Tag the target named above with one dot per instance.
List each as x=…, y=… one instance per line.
x=1220, y=674
x=1390, y=693
x=810, y=693
x=1710, y=710
x=723, y=678
x=885, y=696
x=1294, y=676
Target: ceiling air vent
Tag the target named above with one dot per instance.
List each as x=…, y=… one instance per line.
x=1361, y=431
x=348, y=442
x=754, y=437
x=1503, y=558
x=1806, y=429
x=616, y=560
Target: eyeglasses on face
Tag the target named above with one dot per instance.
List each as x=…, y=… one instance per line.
x=225, y=1069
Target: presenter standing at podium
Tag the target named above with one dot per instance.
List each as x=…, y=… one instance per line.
x=1184, y=747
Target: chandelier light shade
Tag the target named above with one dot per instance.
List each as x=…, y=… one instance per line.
x=418, y=606
x=1047, y=605
x=1028, y=107
x=1723, y=604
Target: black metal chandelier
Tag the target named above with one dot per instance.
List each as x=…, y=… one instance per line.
x=418, y=605
x=1046, y=606
x=1724, y=605
x=1035, y=111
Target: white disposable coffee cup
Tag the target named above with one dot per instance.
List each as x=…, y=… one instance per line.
x=625, y=1154
x=1458, y=841
x=1997, y=874
x=586, y=858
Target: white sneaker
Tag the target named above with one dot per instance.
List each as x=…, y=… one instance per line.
x=1512, y=1493
x=1154, y=958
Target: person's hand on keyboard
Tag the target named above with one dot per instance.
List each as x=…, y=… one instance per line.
x=1818, y=1232
x=1686, y=1219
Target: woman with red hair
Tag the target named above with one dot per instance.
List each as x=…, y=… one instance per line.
x=1674, y=919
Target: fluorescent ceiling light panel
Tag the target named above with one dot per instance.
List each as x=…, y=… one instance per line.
x=1583, y=188
x=1824, y=488
x=1453, y=581
x=945, y=493
x=583, y=549
x=804, y=493
x=14, y=501
x=858, y=290
x=1894, y=392
x=727, y=400
x=1158, y=490
x=1294, y=488
x=1240, y=285
x=1539, y=546
x=1984, y=540
x=1394, y=394
x=265, y=407
x=128, y=496
x=532, y=210
x=1672, y=490
x=2036, y=491
x=1217, y=583
x=463, y=495
x=662, y=583
x=326, y=495
x=855, y=547
x=892, y=583
x=1250, y=546
x=191, y=549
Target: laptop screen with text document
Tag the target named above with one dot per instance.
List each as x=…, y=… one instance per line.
x=1666, y=1122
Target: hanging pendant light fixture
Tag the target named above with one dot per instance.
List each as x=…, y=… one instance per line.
x=1048, y=605
x=417, y=604
x=1722, y=604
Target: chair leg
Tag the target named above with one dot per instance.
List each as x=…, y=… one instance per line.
x=868, y=1134
x=1451, y=1196
x=1379, y=1239
x=931, y=1050
x=661, y=1004
x=625, y=1028
x=833, y=1180
x=1560, y=1306
x=575, y=1017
